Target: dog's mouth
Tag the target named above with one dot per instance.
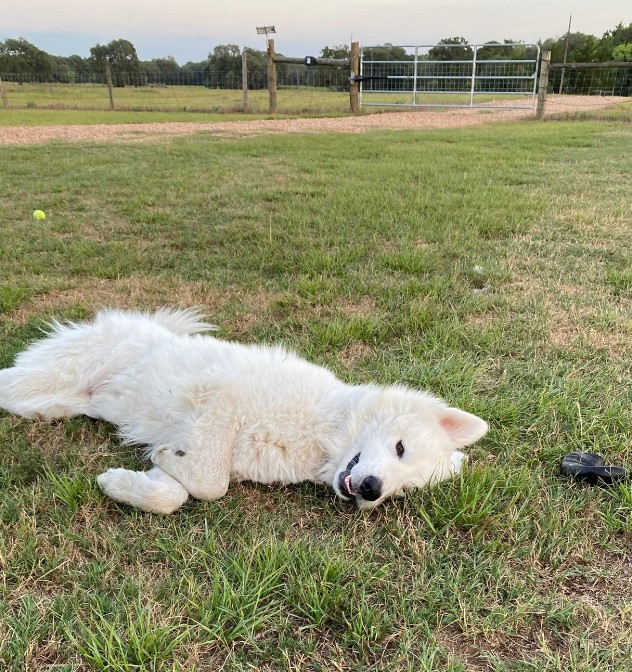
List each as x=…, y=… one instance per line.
x=345, y=483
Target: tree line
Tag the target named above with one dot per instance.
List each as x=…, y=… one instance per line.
x=22, y=61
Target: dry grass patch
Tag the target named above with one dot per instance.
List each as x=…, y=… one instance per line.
x=576, y=327
x=365, y=307
x=461, y=650
x=355, y=353
x=136, y=291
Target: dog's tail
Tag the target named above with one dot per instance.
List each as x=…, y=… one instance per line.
x=183, y=321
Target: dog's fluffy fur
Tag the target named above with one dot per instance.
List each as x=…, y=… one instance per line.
x=211, y=411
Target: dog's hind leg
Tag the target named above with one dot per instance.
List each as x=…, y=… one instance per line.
x=153, y=491
x=39, y=396
x=56, y=376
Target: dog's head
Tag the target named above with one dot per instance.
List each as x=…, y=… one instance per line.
x=402, y=439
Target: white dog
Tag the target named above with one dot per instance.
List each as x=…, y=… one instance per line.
x=211, y=411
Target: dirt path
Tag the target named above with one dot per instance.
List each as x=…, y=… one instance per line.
x=417, y=119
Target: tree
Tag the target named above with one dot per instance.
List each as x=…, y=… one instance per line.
x=195, y=73
x=614, y=38
x=451, y=49
x=339, y=51
x=329, y=76
x=71, y=69
x=224, y=65
x=618, y=45
x=123, y=61
x=454, y=58
x=581, y=48
x=80, y=66
x=501, y=51
x=386, y=52
x=162, y=70
x=21, y=58
x=622, y=52
x=257, y=65
x=386, y=62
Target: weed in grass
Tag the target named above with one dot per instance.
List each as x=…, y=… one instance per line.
x=473, y=501
x=244, y=596
x=70, y=491
x=338, y=333
x=320, y=595
x=12, y=297
x=127, y=641
x=22, y=634
x=621, y=281
x=617, y=509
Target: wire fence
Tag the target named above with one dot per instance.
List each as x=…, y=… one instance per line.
x=604, y=89
x=591, y=79
x=297, y=76
x=301, y=89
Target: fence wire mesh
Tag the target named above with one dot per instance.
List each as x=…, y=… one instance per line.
x=591, y=80
x=301, y=89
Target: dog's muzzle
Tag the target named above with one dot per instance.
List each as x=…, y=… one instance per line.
x=370, y=488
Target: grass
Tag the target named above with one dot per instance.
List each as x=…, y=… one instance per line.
x=191, y=99
x=31, y=101
x=621, y=110
x=489, y=265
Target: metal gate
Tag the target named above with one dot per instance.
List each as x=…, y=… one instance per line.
x=450, y=75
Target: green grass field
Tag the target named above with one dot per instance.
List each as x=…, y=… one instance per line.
x=192, y=100
x=73, y=103
x=490, y=265
x=171, y=98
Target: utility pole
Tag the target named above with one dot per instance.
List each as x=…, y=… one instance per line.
x=568, y=34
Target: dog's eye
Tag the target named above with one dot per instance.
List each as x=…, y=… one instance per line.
x=399, y=449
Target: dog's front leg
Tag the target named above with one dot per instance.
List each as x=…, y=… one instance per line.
x=203, y=464
x=152, y=490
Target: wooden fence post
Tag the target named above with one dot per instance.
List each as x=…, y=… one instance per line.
x=3, y=95
x=108, y=81
x=354, y=70
x=244, y=80
x=272, y=79
x=543, y=84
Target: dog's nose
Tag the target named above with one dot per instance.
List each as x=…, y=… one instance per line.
x=371, y=488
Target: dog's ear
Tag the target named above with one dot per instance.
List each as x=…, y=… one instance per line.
x=462, y=428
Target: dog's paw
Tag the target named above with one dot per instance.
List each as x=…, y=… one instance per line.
x=116, y=483
x=152, y=491
x=457, y=460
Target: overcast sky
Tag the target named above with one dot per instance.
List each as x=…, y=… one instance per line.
x=189, y=29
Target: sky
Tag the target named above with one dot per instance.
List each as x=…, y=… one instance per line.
x=189, y=29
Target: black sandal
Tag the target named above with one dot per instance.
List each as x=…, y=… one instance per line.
x=591, y=468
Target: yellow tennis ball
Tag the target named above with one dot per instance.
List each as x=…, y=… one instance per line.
x=39, y=214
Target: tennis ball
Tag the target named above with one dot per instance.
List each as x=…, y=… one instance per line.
x=39, y=214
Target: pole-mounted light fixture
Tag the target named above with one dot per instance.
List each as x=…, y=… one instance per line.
x=265, y=30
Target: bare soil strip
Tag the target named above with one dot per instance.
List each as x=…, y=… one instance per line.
x=409, y=120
